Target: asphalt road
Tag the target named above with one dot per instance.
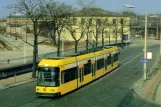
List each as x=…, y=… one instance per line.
x=112, y=90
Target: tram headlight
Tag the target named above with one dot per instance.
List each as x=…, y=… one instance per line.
x=52, y=90
x=37, y=89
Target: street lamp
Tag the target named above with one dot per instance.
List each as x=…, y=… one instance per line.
x=145, y=37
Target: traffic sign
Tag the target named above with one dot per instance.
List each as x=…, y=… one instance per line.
x=149, y=55
x=143, y=60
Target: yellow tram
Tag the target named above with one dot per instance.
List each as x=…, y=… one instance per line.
x=58, y=76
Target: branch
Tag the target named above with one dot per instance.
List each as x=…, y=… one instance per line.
x=42, y=41
x=20, y=37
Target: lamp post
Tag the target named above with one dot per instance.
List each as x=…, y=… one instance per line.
x=145, y=37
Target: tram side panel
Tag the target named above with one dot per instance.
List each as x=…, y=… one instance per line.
x=68, y=80
x=99, y=64
x=85, y=69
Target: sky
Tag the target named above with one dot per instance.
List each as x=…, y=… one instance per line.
x=152, y=6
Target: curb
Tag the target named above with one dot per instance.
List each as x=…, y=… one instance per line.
x=136, y=89
x=17, y=84
x=150, y=89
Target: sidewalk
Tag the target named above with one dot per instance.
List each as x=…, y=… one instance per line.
x=150, y=90
x=23, y=52
x=16, y=80
x=23, y=48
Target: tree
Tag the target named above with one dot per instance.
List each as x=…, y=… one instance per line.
x=55, y=19
x=31, y=8
x=103, y=25
x=88, y=7
x=125, y=22
x=128, y=13
x=73, y=30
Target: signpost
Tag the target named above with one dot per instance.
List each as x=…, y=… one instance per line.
x=143, y=60
x=149, y=55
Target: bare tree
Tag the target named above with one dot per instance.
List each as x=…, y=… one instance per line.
x=102, y=28
x=31, y=8
x=55, y=20
x=73, y=30
x=85, y=4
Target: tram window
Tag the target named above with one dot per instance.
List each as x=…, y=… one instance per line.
x=108, y=60
x=87, y=68
x=69, y=74
x=100, y=63
x=48, y=76
x=116, y=57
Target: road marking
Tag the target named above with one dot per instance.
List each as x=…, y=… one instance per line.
x=128, y=61
x=128, y=58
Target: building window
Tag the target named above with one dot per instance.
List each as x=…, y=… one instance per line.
x=90, y=21
x=114, y=21
x=121, y=21
x=74, y=21
x=106, y=34
x=98, y=21
x=106, y=21
x=82, y=21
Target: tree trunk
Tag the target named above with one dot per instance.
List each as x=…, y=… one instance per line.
x=52, y=35
x=76, y=45
x=122, y=35
x=116, y=38
x=87, y=43
x=109, y=40
x=35, y=51
x=58, y=48
x=96, y=35
x=102, y=39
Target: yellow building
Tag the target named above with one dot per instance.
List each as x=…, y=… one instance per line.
x=17, y=23
x=109, y=27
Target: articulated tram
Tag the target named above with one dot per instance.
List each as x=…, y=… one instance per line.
x=58, y=76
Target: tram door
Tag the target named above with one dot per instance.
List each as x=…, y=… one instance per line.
x=105, y=64
x=81, y=75
x=112, y=60
x=93, y=68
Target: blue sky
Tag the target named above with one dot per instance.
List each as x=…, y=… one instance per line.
x=152, y=6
